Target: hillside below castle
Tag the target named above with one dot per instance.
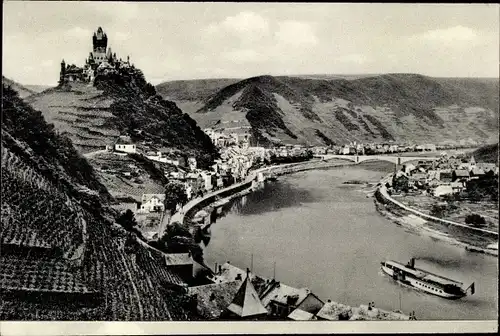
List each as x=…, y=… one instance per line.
x=319, y=111
x=108, y=97
x=62, y=257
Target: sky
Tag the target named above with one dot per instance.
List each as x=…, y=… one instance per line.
x=175, y=41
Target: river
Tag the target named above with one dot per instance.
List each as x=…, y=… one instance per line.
x=328, y=236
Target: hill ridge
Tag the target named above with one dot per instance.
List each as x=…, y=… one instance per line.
x=396, y=106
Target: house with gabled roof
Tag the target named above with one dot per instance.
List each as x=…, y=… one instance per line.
x=246, y=303
x=281, y=300
x=460, y=175
x=153, y=203
x=125, y=144
x=213, y=299
x=476, y=173
x=180, y=263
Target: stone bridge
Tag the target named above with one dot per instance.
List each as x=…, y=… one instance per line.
x=398, y=160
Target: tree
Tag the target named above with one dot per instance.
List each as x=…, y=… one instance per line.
x=178, y=239
x=400, y=183
x=438, y=210
x=174, y=194
x=475, y=220
x=127, y=220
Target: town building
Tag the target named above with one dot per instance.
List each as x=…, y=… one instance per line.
x=213, y=299
x=442, y=190
x=196, y=182
x=334, y=311
x=191, y=163
x=281, y=300
x=460, y=175
x=207, y=179
x=409, y=168
x=124, y=144
x=476, y=173
x=246, y=303
x=153, y=203
x=181, y=264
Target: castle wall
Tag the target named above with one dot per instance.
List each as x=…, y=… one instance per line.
x=99, y=57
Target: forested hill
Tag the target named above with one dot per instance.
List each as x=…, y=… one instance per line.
x=399, y=107
x=488, y=153
x=123, y=103
x=62, y=258
x=22, y=90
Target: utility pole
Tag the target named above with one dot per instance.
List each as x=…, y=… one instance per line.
x=274, y=270
x=251, y=263
x=400, y=309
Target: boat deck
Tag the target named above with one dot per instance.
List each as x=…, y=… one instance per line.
x=426, y=275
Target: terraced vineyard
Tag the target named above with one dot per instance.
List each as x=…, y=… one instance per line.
x=82, y=112
x=62, y=258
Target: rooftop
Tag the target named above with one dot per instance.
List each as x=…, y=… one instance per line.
x=301, y=315
x=246, y=302
x=147, y=197
x=124, y=140
x=177, y=259
x=213, y=299
x=283, y=293
x=331, y=311
x=461, y=173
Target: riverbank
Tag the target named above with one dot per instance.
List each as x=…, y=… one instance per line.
x=471, y=239
x=304, y=230
x=248, y=184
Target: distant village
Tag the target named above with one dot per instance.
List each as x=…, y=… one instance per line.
x=237, y=158
x=447, y=176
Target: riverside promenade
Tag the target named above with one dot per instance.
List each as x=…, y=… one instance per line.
x=252, y=177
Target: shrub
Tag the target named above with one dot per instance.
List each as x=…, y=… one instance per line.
x=127, y=220
x=475, y=220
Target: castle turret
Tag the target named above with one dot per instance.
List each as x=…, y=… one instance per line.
x=100, y=41
x=100, y=44
x=63, y=72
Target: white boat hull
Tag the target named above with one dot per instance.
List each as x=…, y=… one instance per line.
x=421, y=285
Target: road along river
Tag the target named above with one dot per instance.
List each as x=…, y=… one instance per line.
x=328, y=236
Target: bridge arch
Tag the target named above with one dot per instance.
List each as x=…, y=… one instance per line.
x=391, y=159
x=407, y=159
x=398, y=160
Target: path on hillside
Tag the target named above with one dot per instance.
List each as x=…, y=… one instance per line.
x=92, y=154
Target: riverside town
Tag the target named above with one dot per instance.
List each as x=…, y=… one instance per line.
x=253, y=198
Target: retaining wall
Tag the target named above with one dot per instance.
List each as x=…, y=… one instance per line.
x=247, y=184
x=382, y=192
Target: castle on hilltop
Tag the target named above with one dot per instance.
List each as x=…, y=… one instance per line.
x=100, y=60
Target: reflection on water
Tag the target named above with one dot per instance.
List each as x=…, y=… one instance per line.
x=332, y=240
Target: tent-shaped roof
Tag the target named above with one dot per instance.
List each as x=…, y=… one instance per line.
x=246, y=302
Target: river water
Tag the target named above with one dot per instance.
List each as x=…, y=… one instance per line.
x=328, y=236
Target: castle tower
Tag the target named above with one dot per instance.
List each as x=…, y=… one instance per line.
x=63, y=72
x=99, y=46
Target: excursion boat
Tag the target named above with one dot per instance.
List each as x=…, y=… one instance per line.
x=426, y=281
